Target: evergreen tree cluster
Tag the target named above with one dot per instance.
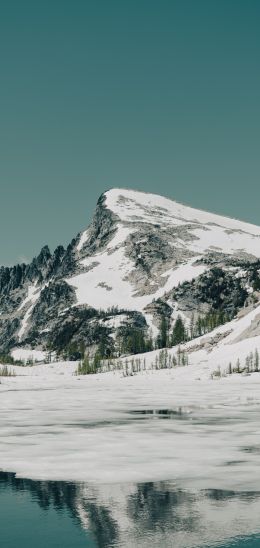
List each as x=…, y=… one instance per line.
x=166, y=360
x=163, y=360
x=205, y=324
x=181, y=334
x=88, y=366
x=252, y=362
x=133, y=340
x=251, y=365
x=256, y=280
x=7, y=359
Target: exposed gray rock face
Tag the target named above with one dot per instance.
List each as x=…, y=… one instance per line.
x=252, y=331
x=8, y=330
x=147, y=255
x=217, y=289
x=153, y=252
x=42, y=278
x=159, y=309
x=53, y=300
x=101, y=230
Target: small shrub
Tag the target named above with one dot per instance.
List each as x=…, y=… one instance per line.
x=6, y=372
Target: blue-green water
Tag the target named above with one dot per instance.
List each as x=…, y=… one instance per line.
x=26, y=521
x=249, y=542
x=59, y=514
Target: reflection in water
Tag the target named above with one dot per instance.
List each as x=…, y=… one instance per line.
x=64, y=495
x=141, y=515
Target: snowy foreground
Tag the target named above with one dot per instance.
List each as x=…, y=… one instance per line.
x=197, y=431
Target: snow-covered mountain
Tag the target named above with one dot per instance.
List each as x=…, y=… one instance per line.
x=142, y=257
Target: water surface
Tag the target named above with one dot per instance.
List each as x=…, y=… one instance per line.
x=55, y=514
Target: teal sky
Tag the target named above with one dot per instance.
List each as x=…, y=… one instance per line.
x=162, y=96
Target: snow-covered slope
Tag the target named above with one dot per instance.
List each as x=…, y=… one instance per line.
x=130, y=205
x=137, y=251
x=182, y=236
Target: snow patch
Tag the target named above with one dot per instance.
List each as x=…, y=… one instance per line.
x=83, y=239
x=24, y=354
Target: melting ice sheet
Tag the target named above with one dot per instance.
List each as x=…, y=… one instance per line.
x=155, y=426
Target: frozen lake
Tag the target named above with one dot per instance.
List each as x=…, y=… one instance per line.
x=168, y=458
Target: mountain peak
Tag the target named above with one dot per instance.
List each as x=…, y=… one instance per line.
x=134, y=205
x=138, y=249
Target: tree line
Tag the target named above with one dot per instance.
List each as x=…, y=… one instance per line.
x=131, y=340
x=180, y=333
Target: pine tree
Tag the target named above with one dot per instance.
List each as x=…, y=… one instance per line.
x=163, y=335
x=183, y=359
x=84, y=367
x=178, y=333
x=198, y=328
x=82, y=347
x=192, y=327
x=256, y=283
x=179, y=356
x=251, y=361
x=96, y=362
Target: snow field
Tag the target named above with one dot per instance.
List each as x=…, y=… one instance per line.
x=93, y=428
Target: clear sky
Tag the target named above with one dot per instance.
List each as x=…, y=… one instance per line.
x=162, y=96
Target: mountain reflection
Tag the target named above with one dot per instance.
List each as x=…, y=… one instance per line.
x=146, y=514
